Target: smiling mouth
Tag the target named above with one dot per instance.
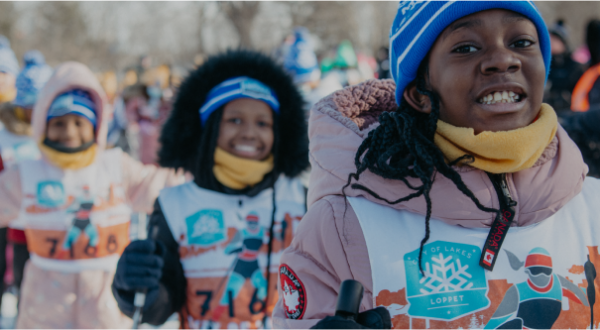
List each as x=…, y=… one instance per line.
x=501, y=97
x=246, y=148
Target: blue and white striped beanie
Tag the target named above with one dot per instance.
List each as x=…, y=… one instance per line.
x=301, y=61
x=8, y=60
x=32, y=79
x=237, y=88
x=74, y=102
x=418, y=24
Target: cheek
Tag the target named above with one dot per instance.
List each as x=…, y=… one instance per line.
x=226, y=134
x=267, y=139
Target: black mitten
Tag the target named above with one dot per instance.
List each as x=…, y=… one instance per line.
x=377, y=318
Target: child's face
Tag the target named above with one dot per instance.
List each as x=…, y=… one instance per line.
x=246, y=129
x=72, y=131
x=490, y=54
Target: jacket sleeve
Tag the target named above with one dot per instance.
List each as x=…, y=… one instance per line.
x=143, y=183
x=318, y=258
x=10, y=195
x=171, y=291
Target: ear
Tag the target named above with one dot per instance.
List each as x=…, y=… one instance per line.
x=418, y=101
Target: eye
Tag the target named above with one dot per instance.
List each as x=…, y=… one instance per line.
x=464, y=49
x=523, y=43
x=236, y=121
x=263, y=124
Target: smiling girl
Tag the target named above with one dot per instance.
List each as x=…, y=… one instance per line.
x=450, y=193
x=238, y=126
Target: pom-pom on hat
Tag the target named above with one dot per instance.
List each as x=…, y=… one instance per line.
x=32, y=79
x=418, y=24
x=301, y=61
x=75, y=102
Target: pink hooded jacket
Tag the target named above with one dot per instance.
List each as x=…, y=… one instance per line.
x=329, y=245
x=77, y=300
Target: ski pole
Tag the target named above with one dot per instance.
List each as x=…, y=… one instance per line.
x=349, y=299
x=590, y=276
x=140, y=296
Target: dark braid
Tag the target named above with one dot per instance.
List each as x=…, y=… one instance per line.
x=402, y=147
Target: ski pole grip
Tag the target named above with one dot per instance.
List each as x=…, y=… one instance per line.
x=349, y=299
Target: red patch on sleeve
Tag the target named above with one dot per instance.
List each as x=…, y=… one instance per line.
x=294, y=294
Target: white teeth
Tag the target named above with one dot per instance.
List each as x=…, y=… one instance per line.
x=500, y=97
x=245, y=148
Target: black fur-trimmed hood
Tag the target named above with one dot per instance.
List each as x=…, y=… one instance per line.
x=182, y=132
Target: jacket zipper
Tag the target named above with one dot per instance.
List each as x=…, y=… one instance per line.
x=501, y=186
x=501, y=224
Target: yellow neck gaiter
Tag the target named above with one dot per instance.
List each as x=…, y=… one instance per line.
x=239, y=173
x=68, y=161
x=499, y=152
x=8, y=96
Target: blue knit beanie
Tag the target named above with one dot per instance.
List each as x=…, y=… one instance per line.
x=301, y=60
x=74, y=102
x=32, y=79
x=418, y=24
x=8, y=60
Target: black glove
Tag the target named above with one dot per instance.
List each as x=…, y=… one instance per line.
x=377, y=318
x=140, y=267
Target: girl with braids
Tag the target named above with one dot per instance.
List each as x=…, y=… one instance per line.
x=451, y=193
x=238, y=127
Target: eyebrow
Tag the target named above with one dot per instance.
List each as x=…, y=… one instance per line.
x=513, y=17
x=459, y=25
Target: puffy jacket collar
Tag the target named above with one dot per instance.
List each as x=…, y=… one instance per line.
x=339, y=123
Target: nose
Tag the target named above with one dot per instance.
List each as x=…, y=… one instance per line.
x=248, y=131
x=500, y=59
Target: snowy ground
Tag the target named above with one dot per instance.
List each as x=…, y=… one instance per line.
x=8, y=315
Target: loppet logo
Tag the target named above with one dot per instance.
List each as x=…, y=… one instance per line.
x=51, y=194
x=489, y=257
x=453, y=286
x=206, y=228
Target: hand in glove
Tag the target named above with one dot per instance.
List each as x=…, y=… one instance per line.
x=377, y=318
x=140, y=267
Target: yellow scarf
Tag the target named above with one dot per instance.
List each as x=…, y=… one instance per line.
x=239, y=173
x=499, y=152
x=8, y=95
x=67, y=161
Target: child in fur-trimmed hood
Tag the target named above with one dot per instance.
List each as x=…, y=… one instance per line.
x=238, y=126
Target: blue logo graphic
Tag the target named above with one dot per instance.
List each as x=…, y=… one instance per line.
x=454, y=284
x=51, y=194
x=206, y=228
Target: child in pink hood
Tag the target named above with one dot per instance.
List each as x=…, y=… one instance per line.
x=75, y=204
x=451, y=193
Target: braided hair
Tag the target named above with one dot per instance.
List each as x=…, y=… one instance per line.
x=402, y=147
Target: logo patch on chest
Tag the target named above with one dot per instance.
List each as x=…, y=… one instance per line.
x=294, y=295
x=453, y=286
x=50, y=194
x=206, y=228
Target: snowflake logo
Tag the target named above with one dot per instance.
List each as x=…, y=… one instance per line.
x=206, y=228
x=445, y=275
x=452, y=285
x=206, y=225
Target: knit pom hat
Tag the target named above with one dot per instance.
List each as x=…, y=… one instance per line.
x=418, y=24
x=8, y=60
x=32, y=79
x=301, y=61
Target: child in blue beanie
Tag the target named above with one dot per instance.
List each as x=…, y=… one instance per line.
x=451, y=193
